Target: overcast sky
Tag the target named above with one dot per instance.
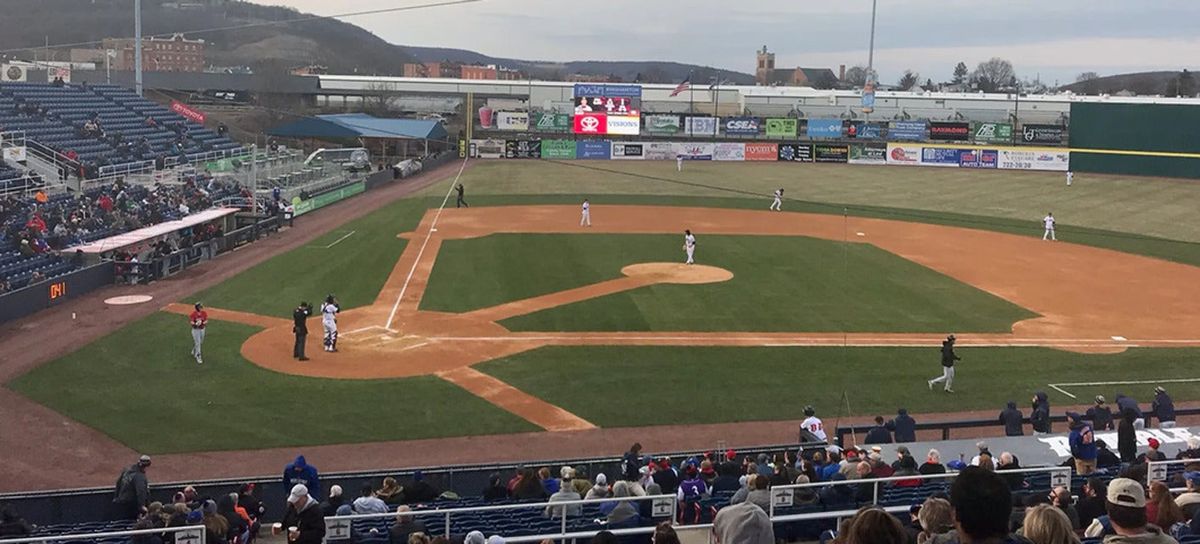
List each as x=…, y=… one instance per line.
x=1054, y=38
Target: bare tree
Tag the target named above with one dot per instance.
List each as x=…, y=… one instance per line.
x=994, y=74
x=960, y=73
x=1086, y=76
x=375, y=100
x=908, y=80
x=856, y=76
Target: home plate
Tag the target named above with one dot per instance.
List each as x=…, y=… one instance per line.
x=860, y=233
x=128, y=299
x=432, y=230
x=1119, y=338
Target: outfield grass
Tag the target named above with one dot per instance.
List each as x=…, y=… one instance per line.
x=141, y=387
x=1156, y=207
x=635, y=386
x=782, y=284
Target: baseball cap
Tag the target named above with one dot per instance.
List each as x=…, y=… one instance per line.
x=1126, y=492
x=1100, y=399
x=1153, y=442
x=1192, y=476
x=876, y=449
x=299, y=491
x=144, y=460
x=195, y=516
x=730, y=455
x=1159, y=389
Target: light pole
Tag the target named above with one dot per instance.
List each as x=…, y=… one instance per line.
x=871, y=47
x=137, y=45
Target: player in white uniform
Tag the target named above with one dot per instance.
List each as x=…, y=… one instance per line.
x=1049, y=222
x=813, y=424
x=679, y=163
x=586, y=218
x=329, y=310
x=777, y=205
x=1070, y=177
x=689, y=246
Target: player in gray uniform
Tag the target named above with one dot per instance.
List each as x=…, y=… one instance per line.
x=329, y=310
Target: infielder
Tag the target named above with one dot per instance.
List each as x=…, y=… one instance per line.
x=678, y=163
x=689, y=246
x=1048, y=221
x=199, y=320
x=948, y=358
x=777, y=206
x=462, y=201
x=329, y=310
x=586, y=218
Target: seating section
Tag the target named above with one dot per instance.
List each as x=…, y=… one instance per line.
x=130, y=129
x=14, y=179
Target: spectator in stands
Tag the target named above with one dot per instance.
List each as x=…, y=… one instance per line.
x=368, y=503
x=872, y=525
x=1163, y=408
x=304, y=513
x=1100, y=415
x=1039, y=418
x=933, y=463
x=1126, y=506
x=330, y=505
x=1045, y=524
x=248, y=501
x=528, y=487
x=866, y=491
x=666, y=476
x=1128, y=403
x=1161, y=509
x=743, y=524
x=600, y=490
x=879, y=469
x=132, y=490
x=216, y=528
x=621, y=513
x=1007, y=461
x=1060, y=497
x=565, y=492
x=300, y=472
x=936, y=520
x=1090, y=504
x=1152, y=454
x=756, y=492
x=879, y=434
x=1083, y=444
x=405, y=526
x=390, y=492
x=1189, y=500
x=664, y=533
x=1191, y=452
x=12, y=525
x=907, y=467
x=903, y=426
x=239, y=527
x=692, y=488
x=1127, y=436
x=4, y=286
x=418, y=490
x=495, y=490
x=981, y=501
x=1012, y=419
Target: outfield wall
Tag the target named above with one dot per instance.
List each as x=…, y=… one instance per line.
x=1138, y=139
x=879, y=153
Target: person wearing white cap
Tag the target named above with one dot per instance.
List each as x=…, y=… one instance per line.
x=600, y=490
x=1126, y=506
x=304, y=521
x=495, y=539
x=475, y=537
x=132, y=492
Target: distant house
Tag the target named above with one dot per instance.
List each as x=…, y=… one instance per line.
x=766, y=74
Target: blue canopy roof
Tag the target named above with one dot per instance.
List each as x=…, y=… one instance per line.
x=360, y=125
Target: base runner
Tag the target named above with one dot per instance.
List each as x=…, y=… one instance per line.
x=198, y=320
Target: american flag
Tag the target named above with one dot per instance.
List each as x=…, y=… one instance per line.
x=683, y=86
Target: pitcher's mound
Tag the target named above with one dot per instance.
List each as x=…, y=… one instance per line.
x=677, y=273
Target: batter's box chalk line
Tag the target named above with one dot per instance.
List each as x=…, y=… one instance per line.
x=1062, y=387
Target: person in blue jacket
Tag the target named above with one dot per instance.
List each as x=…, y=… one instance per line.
x=903, y=426
x=300, y=472
x=1128, y=403
x=1163, y=408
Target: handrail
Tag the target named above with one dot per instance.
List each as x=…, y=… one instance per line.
x=199, y=529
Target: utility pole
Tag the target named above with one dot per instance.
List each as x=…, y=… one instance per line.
x=137, y=45
x=871, y=47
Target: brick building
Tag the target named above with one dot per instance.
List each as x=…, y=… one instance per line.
x=460, y=71
x=174, y=54
x=767, y=74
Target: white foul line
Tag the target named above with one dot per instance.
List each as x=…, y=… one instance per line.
x=428, y=235
x=1127, y=382
x=339, y=240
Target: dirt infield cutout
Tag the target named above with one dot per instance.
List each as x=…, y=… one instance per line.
x=1086, y=296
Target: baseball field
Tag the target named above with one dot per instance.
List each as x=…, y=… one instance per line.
x=509, y=317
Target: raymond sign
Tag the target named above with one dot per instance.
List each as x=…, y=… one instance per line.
x=188, y=112
x=781, y=128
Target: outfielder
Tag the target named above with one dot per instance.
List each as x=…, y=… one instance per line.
x=948, y=358
x=678, y=163
x=586, y=218
x=329, y=310
x=777, y=206
x=199, y=320
x=689, y=246
x=1049, y=222
x=1070, y=177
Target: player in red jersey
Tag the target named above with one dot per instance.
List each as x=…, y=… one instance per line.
x=199, y=320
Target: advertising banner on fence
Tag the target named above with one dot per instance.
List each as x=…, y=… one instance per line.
x=552, y=122
x=593, y=149
x=512, y=120
x=831, y=153
x=741, y=126
x=1034, y=159
x=903, y=155
x=728, y=151
x=324, y=199
x=993, y=133
x=695, y=151
x=795, y=152
x=599, y=123
x=488, y=149
x=523, y=149
x=956, y=132
x=626, y=150
x=558, y=149
x=781, y=128
x=659, y=151
x=868, y=154
x=907, y=130
x=762, y=152
x=977, y=158
x=865, y=131
x=662, y=124
x=1042, y=134
x=824, y=128
x=190, y=113
x=700, y=126
x=939, y=156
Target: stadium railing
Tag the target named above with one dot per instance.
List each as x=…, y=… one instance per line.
x=946, y=426
x=1164, y=471
x=191, y=534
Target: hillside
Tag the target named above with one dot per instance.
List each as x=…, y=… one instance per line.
x=1141, y=83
